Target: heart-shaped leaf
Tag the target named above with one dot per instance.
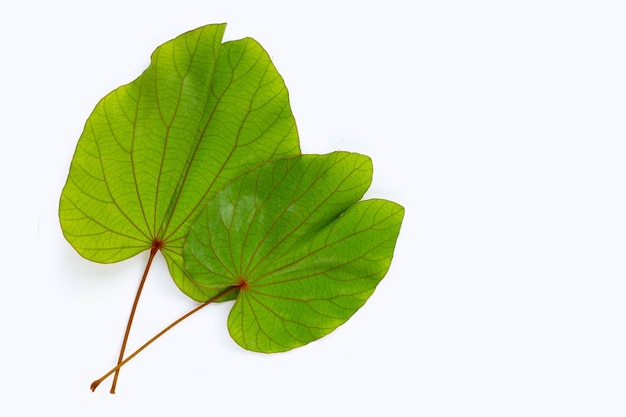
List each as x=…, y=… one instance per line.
x=303, y=251
x=153, y=152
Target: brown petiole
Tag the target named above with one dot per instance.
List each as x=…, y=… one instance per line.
x=121, y=362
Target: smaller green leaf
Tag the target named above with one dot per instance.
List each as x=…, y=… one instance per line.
x=304, y=251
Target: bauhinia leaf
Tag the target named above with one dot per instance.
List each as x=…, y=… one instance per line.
x=303, y=252
x=153, y=152
x=199, y=158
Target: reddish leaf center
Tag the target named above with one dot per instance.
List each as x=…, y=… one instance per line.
x=157, y=244
x=242, y=284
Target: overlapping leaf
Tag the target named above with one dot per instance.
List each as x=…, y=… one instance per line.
x=303, y=251
x=153, y=152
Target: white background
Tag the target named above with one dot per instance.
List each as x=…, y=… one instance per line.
x=499, y=125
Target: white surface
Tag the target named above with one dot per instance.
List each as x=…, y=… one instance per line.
x=498, y=125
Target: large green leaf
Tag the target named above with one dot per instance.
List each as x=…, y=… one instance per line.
x=153, y=152
x=303, y=251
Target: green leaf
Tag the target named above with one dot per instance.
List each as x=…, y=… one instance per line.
x=302, y=249
x=154, y=151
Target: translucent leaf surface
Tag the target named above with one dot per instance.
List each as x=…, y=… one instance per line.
x=153, y=152
x=304, y=251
